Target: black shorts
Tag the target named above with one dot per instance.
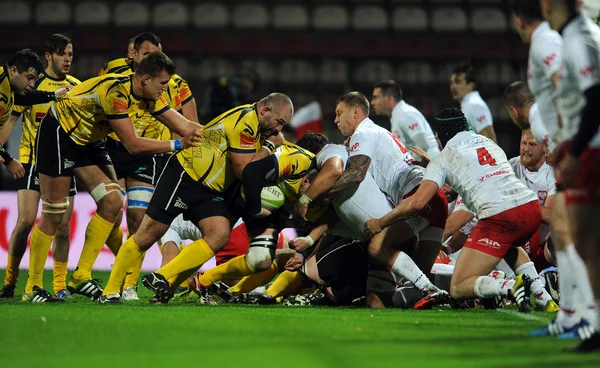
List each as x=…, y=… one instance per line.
x=176, y=193
x=31, y=180
x=344, y=266
x=142, y=167
x=57, y=155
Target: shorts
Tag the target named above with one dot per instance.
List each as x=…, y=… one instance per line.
x=344, y=266
x=142, y=167
x=238, y=244
x=586, y=189
x=57, y=155
x=434, y=214
x=31, y=180
x=177, y=193
x=495, y=235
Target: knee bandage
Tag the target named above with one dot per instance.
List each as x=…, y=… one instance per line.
x=103, y=189
x=262, y=250
x=139, y=197
x=55, y=208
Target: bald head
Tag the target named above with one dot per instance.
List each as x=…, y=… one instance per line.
x=274, y=111
x=278, y=102
x=518, y=95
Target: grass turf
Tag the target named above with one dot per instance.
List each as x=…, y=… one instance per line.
x=81, y=333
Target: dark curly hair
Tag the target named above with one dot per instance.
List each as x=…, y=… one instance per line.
x=449, y=122
x=312, y=142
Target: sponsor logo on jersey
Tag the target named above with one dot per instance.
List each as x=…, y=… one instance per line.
x=587, y=71
x=246, y=141
x=481, y=118
x=549, y=59
x=500, y=172
x=119, y=106
x=354, y=146
x=413, y=126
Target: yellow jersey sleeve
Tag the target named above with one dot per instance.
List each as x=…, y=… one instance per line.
x=6, y=97
x=243, y=135
x=185, y=94
x=115, y=102
x=117, y=66
x=292, y=163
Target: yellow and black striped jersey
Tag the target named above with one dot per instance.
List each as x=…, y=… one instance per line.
x=6, y=96
x=292, y=163
x=32, y=115
x=146, y=126
x=210, y=164
x=85, y=110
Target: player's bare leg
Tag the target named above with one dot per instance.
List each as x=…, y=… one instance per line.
x=60, y=250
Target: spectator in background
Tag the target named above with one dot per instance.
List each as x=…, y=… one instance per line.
x=226, y=91
x=463, y=86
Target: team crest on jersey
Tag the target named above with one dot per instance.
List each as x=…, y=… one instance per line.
x=542, y=195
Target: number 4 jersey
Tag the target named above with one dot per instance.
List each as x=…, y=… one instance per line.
x=480, y=173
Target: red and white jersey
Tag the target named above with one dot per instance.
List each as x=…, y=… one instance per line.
x=390, y=160
x=478, y=170
x=580, y=70
x=477, y=111
x=545, y=52
x=329, y=151
x=181, y=230
x=541, y=182
x=538, y=128
x=408, y=124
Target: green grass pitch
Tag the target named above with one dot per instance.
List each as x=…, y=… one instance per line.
x=81, y=333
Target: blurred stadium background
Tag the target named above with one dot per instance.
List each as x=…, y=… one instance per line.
x=313, y=50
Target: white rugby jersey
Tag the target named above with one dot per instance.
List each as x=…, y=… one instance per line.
x=181, y=229
x=389, y=159
x=479, y=172
x=545, y=52
x=541, y=182
x=329, y=151
x=477, y=111
x=408, y=124
x=538, y=128
x=580, y=70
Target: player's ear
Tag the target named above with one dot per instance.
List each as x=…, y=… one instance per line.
x=145, y=80
x=48, y=56
x=14, y=71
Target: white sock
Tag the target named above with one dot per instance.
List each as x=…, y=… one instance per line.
x=567, y=315
x=404, y=266
x=487, y=287
x=584, y=289
x=504, y=267
x=537, y=288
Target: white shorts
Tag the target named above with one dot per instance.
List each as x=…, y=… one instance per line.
x=355, y=207
x=180, y=230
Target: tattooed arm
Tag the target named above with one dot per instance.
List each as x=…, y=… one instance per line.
x=355, y=172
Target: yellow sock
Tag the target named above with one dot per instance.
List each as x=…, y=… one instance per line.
x=59, y=282
x=133, y=274
x=115, y=239
x=126, y=258
x=12, y=270
x=287, y=283
x=189, y=259
x=38, y=254
x=181, y=279
x=234, y=268
x=95, y=237
x=251, y=282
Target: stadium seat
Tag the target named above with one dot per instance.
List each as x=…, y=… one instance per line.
x=296, y=71
x=333, y=71
x=290, y=16
x=263, y=67
x=376, y=45
x=250, y=16
x=183, y=66
x=92, y=13
x=449, y=19
x=371, y=72
x=444, y=71
x=171, y=14
x=53, y=12
x=330, y=17
x=490, y=47
x=131, y=14
x=412, y=47
x=213, y=44
x=488, y=19
x=294, y=45
x=175, y=41
x=14, y=12
x=333, y=46
x=451, y=47
x=210, y=15
x=410, y=18
x=415, y=73
x=369, y=18
x=211, y=66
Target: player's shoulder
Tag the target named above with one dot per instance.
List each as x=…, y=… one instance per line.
x=117, y=66
x=292, y=149
x=515, y=163
x=72, y=80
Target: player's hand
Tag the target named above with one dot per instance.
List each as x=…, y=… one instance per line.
x=295, y=263
x=263, y=213
x=276, y=139
x=347, y=142
x=373, y=227
x=62, y=91
x=301, y=243
x=425, y=159
x=15, y=169
x=192, y=139
x=301, y=210
x=569, y=166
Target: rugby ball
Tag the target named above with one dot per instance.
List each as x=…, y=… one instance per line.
x=271, y=198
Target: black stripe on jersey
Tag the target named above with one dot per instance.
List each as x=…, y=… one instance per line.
x=243, y=113
x=215, y=122
x=117, y=116
x=164, y=109
x=301, y=174
x=39, y=81
x=117, y=69
x=201, y=179
x=115, y=79
x=189, y=99
x=238, y=150
x=72, y=82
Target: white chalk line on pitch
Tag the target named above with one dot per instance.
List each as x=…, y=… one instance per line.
x=527, y=316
